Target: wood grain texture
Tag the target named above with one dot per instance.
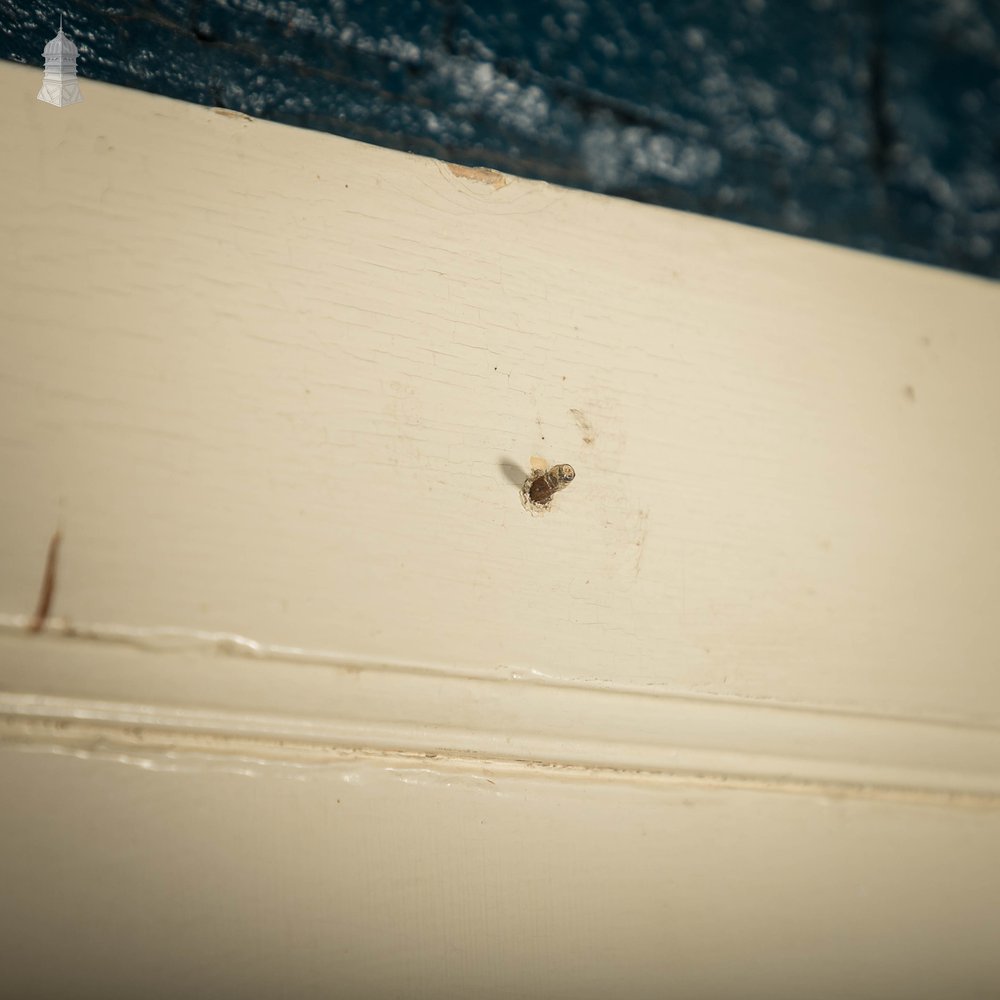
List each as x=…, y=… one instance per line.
x=271, y=382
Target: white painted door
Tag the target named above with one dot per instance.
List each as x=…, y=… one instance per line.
x=306, y=702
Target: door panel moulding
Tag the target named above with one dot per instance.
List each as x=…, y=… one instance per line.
x=76, y=692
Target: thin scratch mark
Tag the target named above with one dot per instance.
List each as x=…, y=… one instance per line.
x=640, y=542
x=586, y=427
x=47, y=592
x=232, y=114
x=684, y=614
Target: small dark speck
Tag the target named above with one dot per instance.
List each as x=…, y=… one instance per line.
x=910, y=393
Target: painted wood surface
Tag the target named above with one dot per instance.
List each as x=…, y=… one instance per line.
x=274, y=383
x=160, y=876
x=316, y=687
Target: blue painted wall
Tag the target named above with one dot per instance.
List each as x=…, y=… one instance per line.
x=870, y=123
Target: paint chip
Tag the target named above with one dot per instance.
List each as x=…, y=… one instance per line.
x=482, y=175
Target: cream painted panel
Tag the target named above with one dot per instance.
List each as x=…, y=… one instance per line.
x=153, y=876
x=268, y=382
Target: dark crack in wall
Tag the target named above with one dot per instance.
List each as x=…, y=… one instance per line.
x=869, y=123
